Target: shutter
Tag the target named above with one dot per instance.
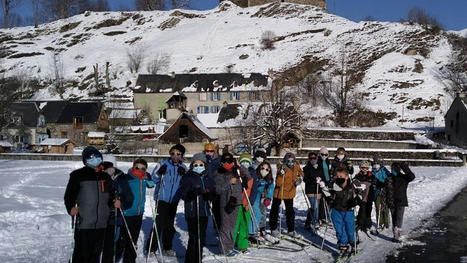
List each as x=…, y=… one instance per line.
x=231, y=95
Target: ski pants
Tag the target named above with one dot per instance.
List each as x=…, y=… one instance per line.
x=193, y=254
x=344, y=224
x=259, y=210
x=165, y=225
x=240, y=234
x=289, y=213
x=110, y=239
x=384, y=217
x=364, y=216
x=134, y=226
x=227, y=229
x=397, y=216
x=88, y=245
x=216, y=210
x=313, y=214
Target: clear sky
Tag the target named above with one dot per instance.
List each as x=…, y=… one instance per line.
x=452, y=14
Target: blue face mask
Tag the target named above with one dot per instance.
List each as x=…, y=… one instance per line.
x=394, y=173
x=290, y=164
x=199, y=169
x=94, y=162
x=246, y=164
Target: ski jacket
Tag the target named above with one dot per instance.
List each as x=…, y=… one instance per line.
x=191, y=183
x=265, y=190
x=380, y=180
x=125, y=195
x=137, y=187
x=399, y=182
x=344, y=199
x=94, y=193
x=367, y=179
x=311, y=174
x=344, y=163
x=254, y=186
x=213, y=165
x=225, y=189
x=168, y=182
x=285, y=181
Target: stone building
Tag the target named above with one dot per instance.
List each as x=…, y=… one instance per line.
x=456, y=121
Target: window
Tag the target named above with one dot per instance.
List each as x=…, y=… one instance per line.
x=254, y=95
x=163, y=114
x=78, y=122
x=215, y=96
x=41, y=122
x=63, y=134
x=234, y=95
x=215, y=109
x=18, y=119
x=183, y=132
x=206, y=109
x=203, y=96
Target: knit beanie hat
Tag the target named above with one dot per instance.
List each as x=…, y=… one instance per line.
x=323, y=150
x=179, y=147
x=245, y=157
x=199, y=157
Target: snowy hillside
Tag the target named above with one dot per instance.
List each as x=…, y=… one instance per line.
x=34, y=226
x=398, y=62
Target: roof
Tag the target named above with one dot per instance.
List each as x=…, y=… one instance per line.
x=124, y=113
x=64, y=111
x=5, y=144
x=458, y=100
x=54, y=141
x=119, y=105
x=197, y=82
x=96, y=134
x=230, y=111
x=196, y=123
x=29, y=112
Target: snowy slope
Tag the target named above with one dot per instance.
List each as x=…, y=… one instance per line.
x=34, y=226
x=208, y=41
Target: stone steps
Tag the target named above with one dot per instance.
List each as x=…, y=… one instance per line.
x=360, y=133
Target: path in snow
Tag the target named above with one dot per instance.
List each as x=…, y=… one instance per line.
x=34, y=226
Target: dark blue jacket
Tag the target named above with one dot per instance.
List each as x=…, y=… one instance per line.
x=190, y=182
x=125, y=195
x=213, y=165
x=254, y=187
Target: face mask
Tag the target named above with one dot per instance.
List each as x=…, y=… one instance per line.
x=376, y=167
x=175, y=158
x=394, y=172
x=94, y=162
x=110, y=171
x=340, y=156
x=340, y=181
x=315, y=165
x=264, y=173
x=138, y=173
x=259, y=159
x=199, y=169
x=290, y=164
x=228, y=166
x=313, y=162
x=246, y=164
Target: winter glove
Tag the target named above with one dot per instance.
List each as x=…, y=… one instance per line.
x=282, y=171
x=195, y=192
x=405, y=167
x=267, y=202
x=162, y=170
x=318, y=180
x=231, y=204
x=149, y=181
x=181, y=170
x=298, y=181
x=322, y=184
x=207, y=195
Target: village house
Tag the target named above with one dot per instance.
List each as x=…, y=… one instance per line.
x=167, y=96
x=96, y=138
x=456, y=121
x=55, y=145
x=5, y=147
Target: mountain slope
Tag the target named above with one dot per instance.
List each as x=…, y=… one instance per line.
x=210, y=41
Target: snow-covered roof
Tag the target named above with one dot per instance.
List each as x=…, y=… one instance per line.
x=5, y=144
x=96, y=134
x=119, y=105
x=54, y=141
x=124, y=113
x=203, y=128
x=209, y=120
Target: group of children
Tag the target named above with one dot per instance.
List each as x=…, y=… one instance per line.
x=108, y=204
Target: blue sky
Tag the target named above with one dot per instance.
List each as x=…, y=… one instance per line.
x=452, y=14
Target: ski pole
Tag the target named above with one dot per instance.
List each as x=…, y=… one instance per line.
x=379, y=216
x=154, y=230
x=316, y=202
x=282, y=204
x=325, y=230
x=199, y=232
x=115, y=235
x=73, y=229
x=354, y=234
x=306, y=199
x=217, y=229
x=128, y=231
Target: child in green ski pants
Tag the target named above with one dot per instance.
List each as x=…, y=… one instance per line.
x=241, y=231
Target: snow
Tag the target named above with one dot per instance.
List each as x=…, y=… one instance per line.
x=119, y=105
x=124, y=114
x=5, y=144
x=203, y=128
x=209, y=120
x=96, y=134
x=384, y=150
x=54, y=141
x=34, y=226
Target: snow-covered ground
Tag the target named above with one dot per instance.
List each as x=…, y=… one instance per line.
x=34, y=226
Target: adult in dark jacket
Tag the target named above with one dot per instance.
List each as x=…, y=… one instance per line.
x=401, y=176
x=341, y=160
x=312, y=174
x=213, y=162
x=364, y=213
x=324, y=163
x=196, y=186
x=126, y=198
x=89, y=194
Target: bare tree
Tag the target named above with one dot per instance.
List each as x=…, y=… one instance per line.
x=101, y=5
x=454, y=74
x=149, y=5
x=36, y=12
x=273, y=121
x=420, y=16
x=267, y=40
x=135, y=58
x=159, y=62
x=7, y=6
x=58, y=73
x=60, y=9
